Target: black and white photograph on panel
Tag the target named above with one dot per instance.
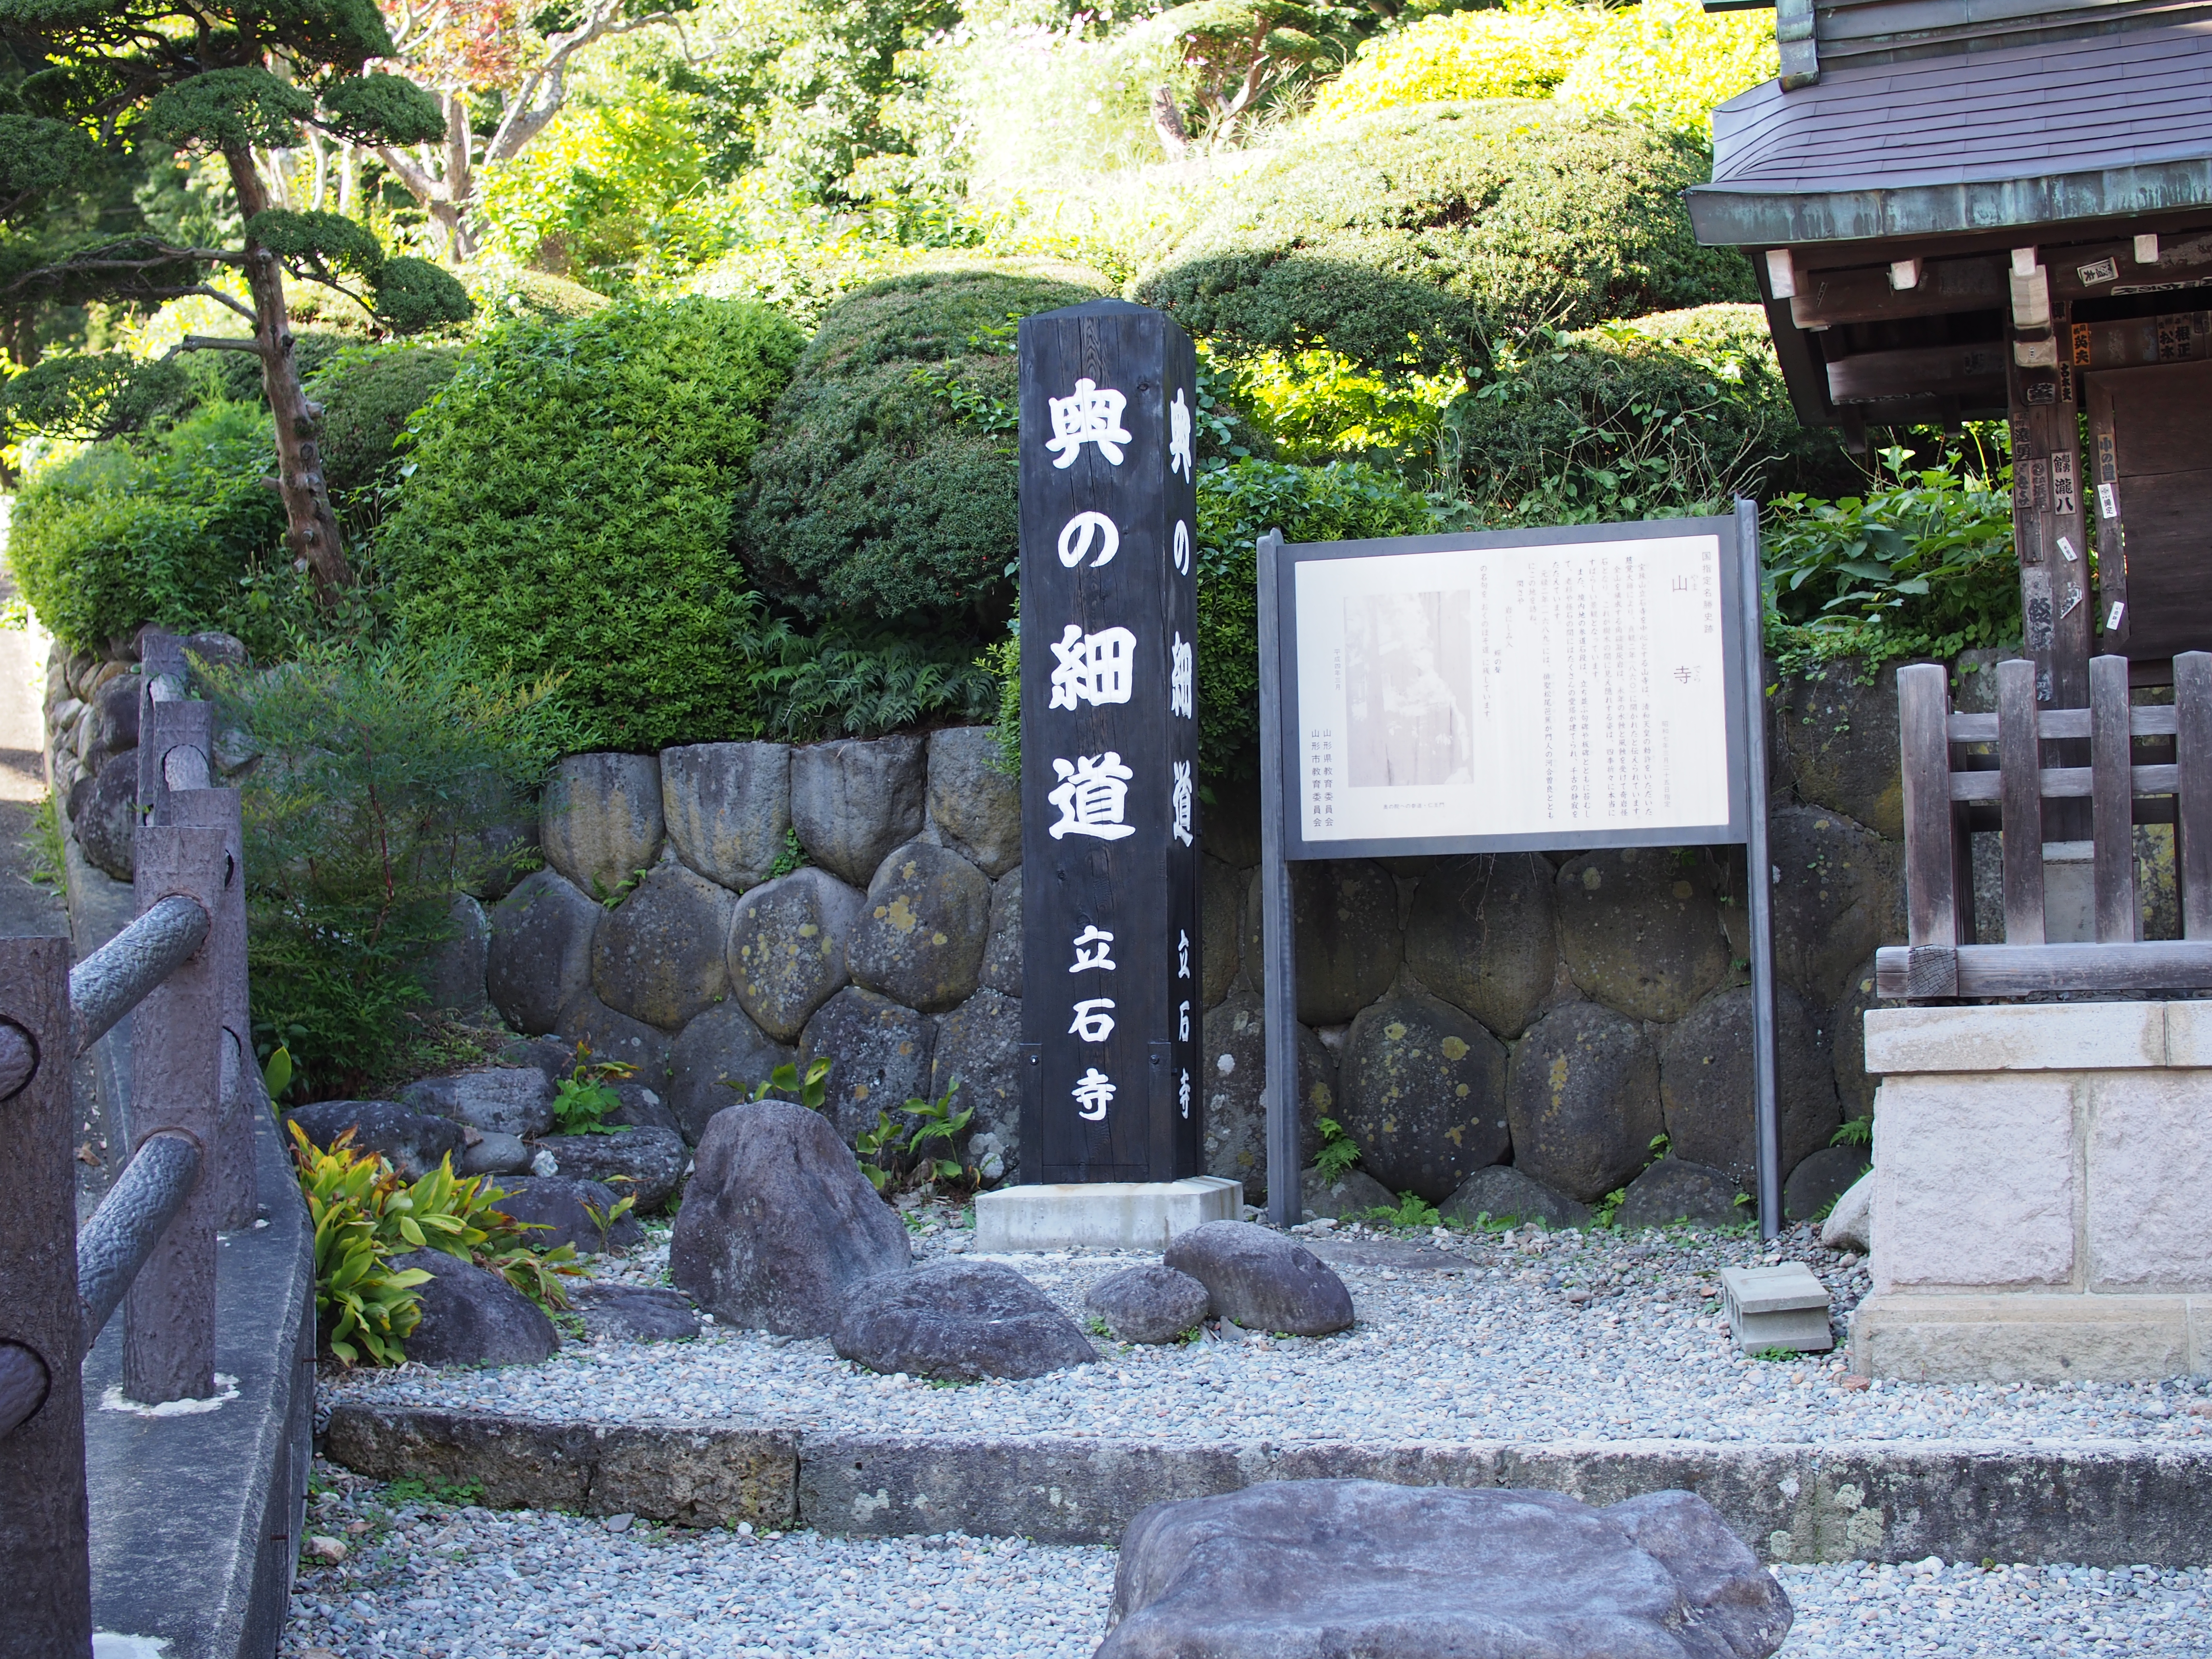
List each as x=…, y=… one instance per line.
x=1409, y=688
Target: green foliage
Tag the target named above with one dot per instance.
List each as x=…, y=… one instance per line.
x=367, y=109
x=1339, y=1151
x=276, y=1072
x=571, y=505
x=157, y=530
x=895, y=1147
x=227, y=109
x=875, y=496
x=1415, y=239
x=586, y=1095
x=1778, y=1356
x=849, y=683
x=378, y=771
x=1514, y=51
x=1854, y=1132
x=95, y=395
x=331, y=238
x=1669, y=62
x=369, y=394
x=502, y=294
x=1412, y=1211
x=784, y=1082
x=1602, y=1212
x=413, y=296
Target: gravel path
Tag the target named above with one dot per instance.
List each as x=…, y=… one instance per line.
x=423, y=1578
x=1535, y=1337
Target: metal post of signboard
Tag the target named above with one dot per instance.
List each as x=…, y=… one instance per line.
x=1759, y=871
x=1280, y=994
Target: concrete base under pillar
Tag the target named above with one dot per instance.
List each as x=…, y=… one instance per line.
x=1113, y=1215
x=2032, y=1339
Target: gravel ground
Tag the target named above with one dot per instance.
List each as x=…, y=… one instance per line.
x=424, y=1578
x=1535, y=1337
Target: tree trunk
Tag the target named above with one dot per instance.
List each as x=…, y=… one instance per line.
x=312, y=528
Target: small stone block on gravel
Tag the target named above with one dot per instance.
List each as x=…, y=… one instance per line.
x=1778, y=1307
x=1149, y=1304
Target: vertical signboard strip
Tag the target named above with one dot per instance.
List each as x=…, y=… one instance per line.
x=1759, y=871
x=1280, y=999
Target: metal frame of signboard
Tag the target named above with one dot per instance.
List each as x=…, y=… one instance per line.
x=1282, y=829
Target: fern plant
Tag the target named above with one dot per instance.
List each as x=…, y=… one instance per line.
x=844, y=682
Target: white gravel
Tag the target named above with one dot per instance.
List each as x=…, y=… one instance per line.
x=1538, y=1338
x=425, y=1579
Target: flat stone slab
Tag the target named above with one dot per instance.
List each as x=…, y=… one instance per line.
x=1112, y=1215
x=1388, y=1254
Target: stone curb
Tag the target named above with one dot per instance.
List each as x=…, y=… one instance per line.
x=2098, y=1503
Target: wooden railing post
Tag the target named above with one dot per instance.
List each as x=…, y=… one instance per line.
x=45, y=1583
x=1931, y=898
x=218, y=810
x=176, y=1062
x=2112, y=798
x=2192, y=794
x=2020, y=767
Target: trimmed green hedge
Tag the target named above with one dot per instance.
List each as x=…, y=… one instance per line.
x=574, y=490
x=1415, y=237
x=886, y=488
x=368, y=395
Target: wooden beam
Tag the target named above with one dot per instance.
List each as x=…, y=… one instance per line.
x=2095, y=270
x=2112, y=800
x=2067, y=783
x=2018, y=749
x=2145, y=721
x=2020, y=970
x=2192, y=794
x=1923, y=699
x=2050, y=541
x=1869, y=294
x=1957, y=371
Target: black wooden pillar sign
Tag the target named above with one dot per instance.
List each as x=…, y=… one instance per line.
x=1109, y=747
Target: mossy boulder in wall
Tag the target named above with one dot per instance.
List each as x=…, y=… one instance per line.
x=1640, y=928
x=1221, y=905
x=1343, y=915
x=919, y=936
x=602, y=821
x=1424, y=1088
x=660, y=956
x=1233, y=1064
x=1582, y=1097
x=1839, y=893
x=1839, y=728
x=1706, y=1081
x=728, y=808
x=878, y=1052
x=1480, y=936
x=787, y=950
x=540, y=955
x=979, y=1047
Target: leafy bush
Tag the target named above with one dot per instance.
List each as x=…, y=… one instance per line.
x=878, y=495
x=1414, y=238
x=503, y=292
x=1670, y=61
x=368, y=395
x=1519, y=51
x=571, y=506
x=152, y=529
x=846, y=683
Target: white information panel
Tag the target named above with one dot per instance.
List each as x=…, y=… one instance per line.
x=1550, y=689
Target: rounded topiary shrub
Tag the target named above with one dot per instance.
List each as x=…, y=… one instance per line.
x=571, y=505
x=368, y=395
x=886, y=489
x=1413, y=237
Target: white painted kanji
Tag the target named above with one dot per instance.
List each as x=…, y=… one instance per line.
x=1093, y=797
x=1094, y=1093
x=1091, y=414
x=1180, y=458
x=1183, y=1024
x=1182, y=547
x=1077, y=534
x=1093, y=949
x=1183, y=954
x=1185, y=1092
x=1094, y=1023
x=1094, y=668
x=1182, y=678
x=1181, y=800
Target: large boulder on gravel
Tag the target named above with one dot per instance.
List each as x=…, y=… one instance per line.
x=1481, y=935
x=1674, y=1189
x=1221, y=916
x=728, y=808
x=1838, y=895
x=959, y=1322
x=1838, y=729
x=854, y=800
x=1002, y=951
x=455, y=980
x=717, y=1061
x=980, y=1044
x=1707, y=1082
x=779, y=1223
x=1582, y=1097
x=1261, y=1280
x=878, y=1052
x=1322, y=1569
x=413, y=1143
x=539, y=959
x=106, y=820
x=1821, y=1180
x=611, y=1034
x=976, y=807
x=513, y=1100
x=1152, y=1303
x=634, y=1313
x=601, y=823
x=787, y=949
x=919, y=936
x=1503, y=1193
x=1423, y=1093
x=472, y=1317
x=564, y=1209
x=1640, y=928
x=1344, y=915
x=1352, y=1193
x=1233, y=1072
x=647, y=1165
x=662, y=955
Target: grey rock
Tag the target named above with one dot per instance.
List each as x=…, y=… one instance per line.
x=662, y=956
x=1220, y=910
x=1233, y=1072
x=115, y=719
x=778, y=1223
x=1847, y=1024
x=643, y=1108
x=957, y=1320
x=854, y=800
x=472, y=1316
x=1232, y=823
x=601, y=823
x=1640, y=929
x=106, y=818
x=1353, y=1192
x=1850, y=1225
x=1838, y=897
x=919, y=936
x=1503, y=1193
x=413, y=1143
x=1002, y=951
x=646, y=1164
x=1673, y=1189
x=976, y=807
x=1261, y=1280
x=489, y=1152
x=1152, y=1303
x=455, y=982
x=539, y=959
x=786, y=948
x=551, y=1057
x=979, y=1043
x=1345, y=917
x=635, y=1313
x=1326, y=1569
x=1706, y=1084
x=720, y=1048
x=1424, y=1088
x=1821, y=1179
x=611, y=1035
x=211, y=648
x=505, y=838
x=564, y=1210
x=1582, y=1095
x=1838, y=726
x=727, y=806
x=878, y=1052
x=515, y=1100
x=1481, y=935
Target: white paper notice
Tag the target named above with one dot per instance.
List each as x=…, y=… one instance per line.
x=1513, y=690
